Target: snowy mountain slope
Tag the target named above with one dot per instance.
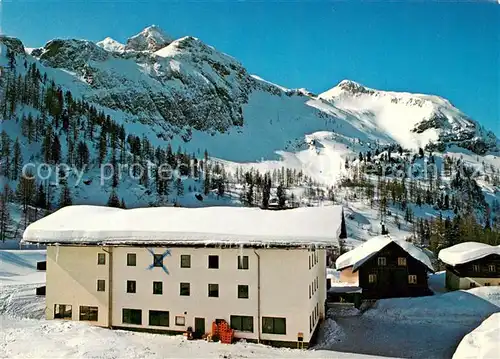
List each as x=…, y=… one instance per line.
x=413, y=120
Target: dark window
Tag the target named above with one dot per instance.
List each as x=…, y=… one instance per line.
x=179, y=320
x=472, y=285
x=62, y=311
x=131, y=286
x=185, y=289
x=159, y=318
x=158, y=260
x=213, y=262
x=242, y=323
x=131, y=259
x=185, y=261
x=476, y=268
x=157, y=287
x=131, y=316
x=242, y=262
x=213, y=290
x=101, y=285
x=309, y=262
x=487, y=284
x=492, y=268
x=101, y=258
x=242, y=291
x=88, y=313
x=273, y=325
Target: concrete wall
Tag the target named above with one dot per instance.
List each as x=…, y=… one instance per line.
x=72, y=274
x=454, y=282
x=285, y=280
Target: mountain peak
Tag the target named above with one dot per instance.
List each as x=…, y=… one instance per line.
x=110, y=44
x=152, y=38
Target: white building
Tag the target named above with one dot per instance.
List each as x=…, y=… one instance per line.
x=168, y=269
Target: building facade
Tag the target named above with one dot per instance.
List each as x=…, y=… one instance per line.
x=471, y=264
x=384, y=267
x=267, y=295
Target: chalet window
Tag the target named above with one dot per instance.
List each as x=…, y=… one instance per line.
x=213, y=262
x=472, y=285
x=62, y=311
x=131, y=259
x=131, y=287
x=159, y=318
x=242, y=323
x=158, y=260
x=101, y=258
x=372, y=278
x=492, y=268
x=402, y=261
x=412, y=279
x=382, y=261
x=476, y=268
x=213, y=290
x=185, y=289
x=131, y=316
x=243, y=291
x=101, y=285
x=242, y=262
x=180, y=320
x=157, y=287
x=272, y=325
x=88, y=313
x=487, y=284
x=185, y=261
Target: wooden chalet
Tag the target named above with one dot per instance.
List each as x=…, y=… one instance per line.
x=385, y=267
x=471, y=264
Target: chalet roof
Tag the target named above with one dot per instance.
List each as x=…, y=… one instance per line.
x=209, y=226
x=371, y=247
x=466, y=252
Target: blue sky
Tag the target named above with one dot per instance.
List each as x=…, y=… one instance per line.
x=444, y=48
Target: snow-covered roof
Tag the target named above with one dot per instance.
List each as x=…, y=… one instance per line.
x=254, y=227
x=365, y=251
x=466, y=252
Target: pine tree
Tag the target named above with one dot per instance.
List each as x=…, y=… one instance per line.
x=65, y=197
x=113, y=200
x=6, y=223
x=17, y=161
x=179, y=187
x=281, y=194
x=41, y=197
x=343, y=227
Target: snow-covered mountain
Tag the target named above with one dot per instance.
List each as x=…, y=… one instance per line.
x=183, y=89
x=186, y=93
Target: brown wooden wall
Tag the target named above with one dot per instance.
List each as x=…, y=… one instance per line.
x=467, y=269
x=392, y=279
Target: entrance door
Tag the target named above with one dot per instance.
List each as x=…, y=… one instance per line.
x=199, y=327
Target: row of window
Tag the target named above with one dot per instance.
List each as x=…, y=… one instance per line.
x=159, y=318
x=313, y=287
x=412, y=278
x=491, y=268
x=184, y=289
x=313, y=317
x=313, y=259
x=382, y=261
x=185, y=262
x=64, y=311
x=242, y=323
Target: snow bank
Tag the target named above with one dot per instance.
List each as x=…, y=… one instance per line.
x=365, y=251
x=467, y=252
x=483, y=342
x=188, y=226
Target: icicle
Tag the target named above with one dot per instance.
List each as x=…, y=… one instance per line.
x=241, y=255
x=57, y=252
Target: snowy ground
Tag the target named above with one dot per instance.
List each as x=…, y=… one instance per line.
x=483, y=342
x=64, y=339
x=425, y=327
